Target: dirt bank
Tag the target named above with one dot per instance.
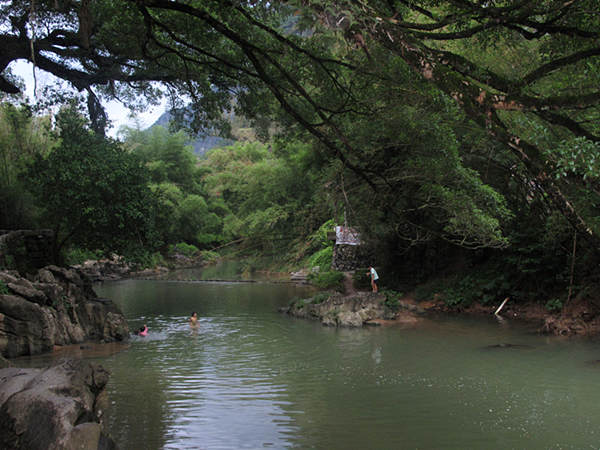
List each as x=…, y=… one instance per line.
x=581, y=316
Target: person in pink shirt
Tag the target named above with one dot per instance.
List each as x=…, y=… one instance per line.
x=143, y=331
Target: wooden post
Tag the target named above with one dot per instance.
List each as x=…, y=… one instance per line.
x=502, y=305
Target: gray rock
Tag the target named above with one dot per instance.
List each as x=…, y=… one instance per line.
x=350, y=319
x=58, y=308
x=28, y=291
x=8, y=277
x=22, y=327
x=342, y=311
x=53, y=408
x=300, y=277
x=113, y=268
x=45, y=276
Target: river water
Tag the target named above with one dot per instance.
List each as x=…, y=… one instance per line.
x=250, y=377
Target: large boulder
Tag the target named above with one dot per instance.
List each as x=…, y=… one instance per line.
x=338, y=310
x=57, y=306
x=113, y=268
x=60, y=407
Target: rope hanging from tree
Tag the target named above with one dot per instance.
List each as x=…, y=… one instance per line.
x=32, y=45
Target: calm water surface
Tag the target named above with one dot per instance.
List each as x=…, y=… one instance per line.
x=252, y=378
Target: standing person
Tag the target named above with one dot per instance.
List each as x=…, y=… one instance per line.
x=194, y=320
x=374, y=277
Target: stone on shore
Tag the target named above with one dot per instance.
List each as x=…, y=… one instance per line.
x=355, y=310
x=56, y=306
x=60, y=407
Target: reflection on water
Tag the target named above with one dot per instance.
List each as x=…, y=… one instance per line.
x=251, y=378
x=90, y=350
x=224, y=270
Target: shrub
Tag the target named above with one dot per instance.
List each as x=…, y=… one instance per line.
x=554, y=304
x=327, y=280
x=76, y=255
x=320, y=298
x=452, y=291
x=319, y=238
x=209, y=256
x=392, y=299
x=360, y=279
x=454, y=297
x=482, y=286
x=3, y=288
x=144, y=258
x=185, y=249
x=322, y=258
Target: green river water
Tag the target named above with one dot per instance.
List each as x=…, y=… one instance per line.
x=250, y=377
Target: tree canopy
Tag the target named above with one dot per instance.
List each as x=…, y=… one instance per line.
x=471, y=123
x=525, y=71
x=92, y=193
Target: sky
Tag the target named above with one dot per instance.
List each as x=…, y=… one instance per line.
x=117, y=113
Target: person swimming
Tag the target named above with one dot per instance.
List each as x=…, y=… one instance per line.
x=194, y=319
x=143, y=331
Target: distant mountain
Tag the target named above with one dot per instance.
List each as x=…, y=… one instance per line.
x=202, y=143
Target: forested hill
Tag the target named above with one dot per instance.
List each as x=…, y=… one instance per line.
x=202, y=143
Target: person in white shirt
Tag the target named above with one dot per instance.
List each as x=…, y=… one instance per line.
x=374, y=277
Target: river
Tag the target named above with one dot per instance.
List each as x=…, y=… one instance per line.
x=249, y=377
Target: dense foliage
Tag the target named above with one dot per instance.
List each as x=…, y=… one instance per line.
x=22, y=136
x=455, y=135
x=91, y=192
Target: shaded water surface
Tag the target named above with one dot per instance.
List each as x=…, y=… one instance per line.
x=252, y=378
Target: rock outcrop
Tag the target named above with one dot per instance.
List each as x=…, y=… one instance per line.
x=60, y=407
x=56, y=306
x=117, y=268
x=113, y=268
x=300, y=276
x=335, y=309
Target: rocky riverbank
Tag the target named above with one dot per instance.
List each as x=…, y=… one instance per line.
x=116, y=268
x=55, y=306
x=353, y=310
x=580, y=317
x=60, y=407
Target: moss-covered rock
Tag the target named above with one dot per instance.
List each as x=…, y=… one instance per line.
x=339, y=310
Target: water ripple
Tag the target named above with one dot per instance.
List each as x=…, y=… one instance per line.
x=248, y=377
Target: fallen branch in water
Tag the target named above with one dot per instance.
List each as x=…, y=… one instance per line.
x=502, y=305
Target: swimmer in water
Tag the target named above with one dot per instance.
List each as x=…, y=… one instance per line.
x=143, y=331
x=194, y=320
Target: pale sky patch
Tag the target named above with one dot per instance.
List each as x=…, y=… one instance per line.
x=118, y=115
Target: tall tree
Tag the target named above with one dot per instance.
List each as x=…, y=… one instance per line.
x=167, y=156
x=552, y=83
x=22, y=137
x=93, y=193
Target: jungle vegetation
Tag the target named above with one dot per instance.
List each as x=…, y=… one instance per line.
x=458, y=136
